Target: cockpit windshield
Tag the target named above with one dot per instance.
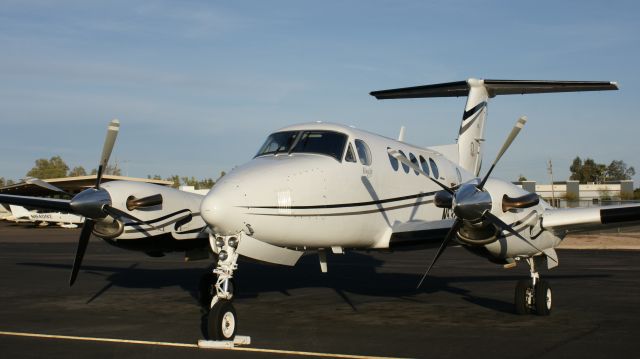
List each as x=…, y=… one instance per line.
x=321, y=142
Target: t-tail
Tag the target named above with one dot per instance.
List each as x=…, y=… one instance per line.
x=478, y=92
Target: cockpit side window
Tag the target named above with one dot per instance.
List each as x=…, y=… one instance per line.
x=278, y=142
x=363, y=152
x=350, y=156
x=322, y=142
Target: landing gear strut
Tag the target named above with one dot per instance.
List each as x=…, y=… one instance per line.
x=222, y=321
x=533, y=295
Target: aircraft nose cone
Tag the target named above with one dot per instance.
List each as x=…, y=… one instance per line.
x=219, y=212
x=210, y=210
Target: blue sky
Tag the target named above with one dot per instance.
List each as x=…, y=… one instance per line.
x=198, y=85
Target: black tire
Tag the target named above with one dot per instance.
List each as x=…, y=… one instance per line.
x=222, y=321
x=520, y=301
x=543, y=298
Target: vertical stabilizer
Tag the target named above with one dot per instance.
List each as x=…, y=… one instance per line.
x=471, y=133
x=19, y=212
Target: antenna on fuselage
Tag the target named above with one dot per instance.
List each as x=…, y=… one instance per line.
x=401, y=134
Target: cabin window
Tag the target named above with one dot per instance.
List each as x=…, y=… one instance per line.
x=404, y=166
x=394, y=161
x=424, y=165
x=320, y=142
x=278, y=142
x=434, y=168
x=413, y=160
x=363, y=152
x=350, y=156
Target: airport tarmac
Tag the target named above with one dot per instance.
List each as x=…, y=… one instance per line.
x=367, y=304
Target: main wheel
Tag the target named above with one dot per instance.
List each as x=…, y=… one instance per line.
x=222, y=321
x=543, y=298
x=524, y=294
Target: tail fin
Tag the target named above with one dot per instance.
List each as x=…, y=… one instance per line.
x=478, y=92
x=19, y=211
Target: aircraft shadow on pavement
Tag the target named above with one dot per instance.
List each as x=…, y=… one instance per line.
x=351, y=273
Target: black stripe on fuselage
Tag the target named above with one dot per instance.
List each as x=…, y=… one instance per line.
x=163, y=217
x=337, y=214
x=346, y=205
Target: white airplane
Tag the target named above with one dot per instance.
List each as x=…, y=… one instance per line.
x=327, y=187
x=64, y=220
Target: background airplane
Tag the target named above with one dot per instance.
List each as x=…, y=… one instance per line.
x=64, y=220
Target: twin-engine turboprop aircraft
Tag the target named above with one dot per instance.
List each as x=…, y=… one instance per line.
x=327, y=187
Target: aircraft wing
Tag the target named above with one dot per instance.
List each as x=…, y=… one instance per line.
x=565, y=220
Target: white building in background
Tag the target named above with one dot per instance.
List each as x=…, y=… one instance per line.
x=574, y=194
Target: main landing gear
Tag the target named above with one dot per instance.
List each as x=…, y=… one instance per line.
x=222, y=321
x=533, y=295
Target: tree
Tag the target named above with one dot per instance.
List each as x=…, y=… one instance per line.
x=618, y=171
x=590, y=171
x=77, y=171
x=206, y=183
x=110, y=170
x=176, y=181
x=52, y=168
x=522, y=178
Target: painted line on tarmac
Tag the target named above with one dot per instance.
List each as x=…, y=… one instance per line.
x=186, y=345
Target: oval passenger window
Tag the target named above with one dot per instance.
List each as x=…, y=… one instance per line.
x=434, y=168
x=424, y=165
x=393, y=160
x=404, y=167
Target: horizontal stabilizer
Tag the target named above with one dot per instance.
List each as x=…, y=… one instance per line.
x=494, y=87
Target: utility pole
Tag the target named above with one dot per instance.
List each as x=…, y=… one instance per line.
x=553, y=193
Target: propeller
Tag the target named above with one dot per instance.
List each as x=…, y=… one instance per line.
x=472, y=204
x=93, y=203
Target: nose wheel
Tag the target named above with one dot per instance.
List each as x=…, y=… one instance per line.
x=217, y=289
x=222, y=321
x=534, y=295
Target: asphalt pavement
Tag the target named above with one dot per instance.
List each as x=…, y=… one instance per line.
x=367, y=304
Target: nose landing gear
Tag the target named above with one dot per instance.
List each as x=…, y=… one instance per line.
x=533, y=295
x=222, y=321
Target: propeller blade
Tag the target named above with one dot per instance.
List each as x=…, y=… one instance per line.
x=43, y=184
x=109, y=141
x=454, y=228
x=498, y=222
x=114, y=212
x=61, y=205
x=82, y=247
x=512, y=136
x=397, y=155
